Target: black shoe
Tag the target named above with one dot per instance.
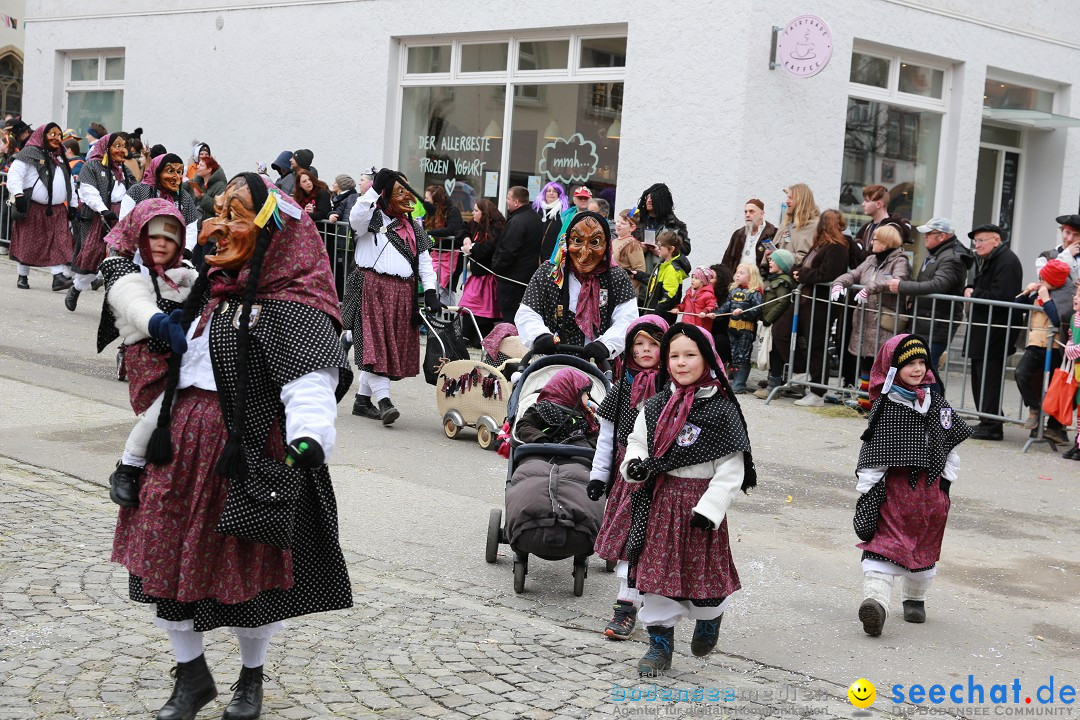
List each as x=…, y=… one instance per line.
x=362, y=407
x=987, y=432
x=763, y=383
x=388, y=412
x=71, y=300
x=247, y=695
x=23, y=282
x=706, y=633
x=194, y=688
x=658, y=658
x=124, y=485
x=60, y=281
x=872, y=616
x=914, y=611
x=1072, y=453
x=97, y=284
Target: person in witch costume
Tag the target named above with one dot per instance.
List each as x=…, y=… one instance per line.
x=906, y=466
x=579, y=298
x=41, y=188
x=381, y=311
x=638, y=372
x=689, y=455
x=163, y=178
x=136, y=308
x=103, y=182
x=237, y=524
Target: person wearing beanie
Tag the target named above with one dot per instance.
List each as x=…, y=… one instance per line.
x=753, y=242
x=689, y=452
x=698, y=306
x=343, y=199
x=1043, y=330
x=906, y=467
x=301, y=160
x=776, y=317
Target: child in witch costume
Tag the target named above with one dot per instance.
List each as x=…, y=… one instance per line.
x=145, y=281
x=381, y=312
x=579, y=298
x=690, y=454
x=637, y=373
x=907, y=463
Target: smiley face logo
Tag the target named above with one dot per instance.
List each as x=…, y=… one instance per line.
x=862, y=693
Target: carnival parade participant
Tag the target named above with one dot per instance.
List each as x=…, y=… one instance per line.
x=906, y=465
x=41, y=237
x=164, y=178
x=136, y=309
x=103, y=182
x=246, y=409
x=690, y=449
x=637, y=373
x=381, y=311
x=580, y=299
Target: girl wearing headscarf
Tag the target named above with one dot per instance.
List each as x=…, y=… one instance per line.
x=906, y=465
x=579, y=298
x=690, y=453
x=41, y=187
x=145, y=280
x=103, y=182
x=638, y=373
x=561, y=413
x=164, y=178
x=236, y=524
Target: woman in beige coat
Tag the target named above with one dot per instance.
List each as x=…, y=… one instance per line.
x=800, y=222
x=875, y=320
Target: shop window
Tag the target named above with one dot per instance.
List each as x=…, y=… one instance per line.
x=428, y=59
x=543, y=55
x=918, y=80
x=484, y=57
x=1002, y=95
x=869, y=70
x=94, y=90
x=603, y=52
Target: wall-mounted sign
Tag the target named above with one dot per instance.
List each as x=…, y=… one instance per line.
x=569, y=161
x=805, y=46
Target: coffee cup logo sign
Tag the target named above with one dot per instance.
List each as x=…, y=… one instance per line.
x=805, y=46
x=572, y=160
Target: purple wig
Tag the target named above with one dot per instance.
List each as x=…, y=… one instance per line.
x=538, y=203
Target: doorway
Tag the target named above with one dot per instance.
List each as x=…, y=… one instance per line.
x=997, y=179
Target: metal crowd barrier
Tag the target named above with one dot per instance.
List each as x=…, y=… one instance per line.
x=818, y=358
x=337, y=237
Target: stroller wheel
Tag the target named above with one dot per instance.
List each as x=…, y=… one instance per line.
x=451, y=428
x=491, y=553
x=580, y=571
x=520, y=569
x=484, y=437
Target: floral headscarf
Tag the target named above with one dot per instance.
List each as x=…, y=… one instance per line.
x=100, y=152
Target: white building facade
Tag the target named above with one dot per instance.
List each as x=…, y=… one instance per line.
x=962, y=110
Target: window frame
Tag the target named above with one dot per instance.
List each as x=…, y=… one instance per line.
x=99, y=85
x=891, y=94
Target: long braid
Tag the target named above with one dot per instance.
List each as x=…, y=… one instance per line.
x=159, y=449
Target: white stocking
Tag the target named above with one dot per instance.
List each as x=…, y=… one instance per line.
x=186, y=644
x=878, y=586
x=254, y=643
x=916, y=588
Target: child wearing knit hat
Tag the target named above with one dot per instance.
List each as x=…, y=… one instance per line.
x=700, y=301
x=777, y=314
x=906, y=466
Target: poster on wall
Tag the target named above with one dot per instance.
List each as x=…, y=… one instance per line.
x=569, y=160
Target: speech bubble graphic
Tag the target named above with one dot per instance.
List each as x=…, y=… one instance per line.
x=569, y=160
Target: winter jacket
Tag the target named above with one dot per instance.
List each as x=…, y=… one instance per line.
x=483, y=249
x=860, y=246
x=209, y=190
x=665, y=288
x=998, y=277
x=449, y=236
x=341, y=204
x=322, y=205
x=629, y=255
x=777, y=286
x=740, y=298
x=670, y=223
x=797, y=240
x=733, y=255
x=867, y=331
x=517, y=250
x=944, y=272
x=702, y=300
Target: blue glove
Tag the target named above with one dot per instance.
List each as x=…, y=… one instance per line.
x=167, y=328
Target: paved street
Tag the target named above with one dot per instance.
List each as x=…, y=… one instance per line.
x=436, y=632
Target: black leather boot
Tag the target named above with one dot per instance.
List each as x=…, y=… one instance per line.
x=388, y=412
x=23, y=282
x=60, y=281
x=247, y=695
x=71, y=300
x=124, y=485
x=194, y=688
x=363, y=407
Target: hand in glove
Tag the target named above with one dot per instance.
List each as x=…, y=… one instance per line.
x=700, y=522
x=168, y=329
x=110, y=218
x=596, y=489
x=837, y=291
x=545, y=344
x=431, y=302
x=384, y=179
x=22, y=203
x=860, y=297
x=1072, y=351
x=637, y=471
x=596, y=350
x=304, y=453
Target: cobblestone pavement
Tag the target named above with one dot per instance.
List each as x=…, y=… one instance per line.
x=414, y=646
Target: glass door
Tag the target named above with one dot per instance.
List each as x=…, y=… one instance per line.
x=997, y=178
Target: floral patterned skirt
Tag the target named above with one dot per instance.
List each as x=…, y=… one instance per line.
x=615, y=529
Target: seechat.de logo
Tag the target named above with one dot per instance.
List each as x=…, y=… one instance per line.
x=862, y=693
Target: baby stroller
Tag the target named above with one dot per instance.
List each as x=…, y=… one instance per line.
x=548, y=513
x=471, y=393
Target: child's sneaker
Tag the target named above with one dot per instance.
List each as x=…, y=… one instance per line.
x=124, y=485
x=658, y=658
x=706, y=633
x=622, y=625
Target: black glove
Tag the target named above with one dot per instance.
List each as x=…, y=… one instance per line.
x=22, y=203
x=110, y=218
x=641, y=276
x=545, y=344
x=597, y=351
x=384, y=179
x=637, y=471
x=700, y=522
x=72, y=212
x=596, y=489
x=945, y=485
x=168, y=329
x=304, y=453
x=431, y=302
